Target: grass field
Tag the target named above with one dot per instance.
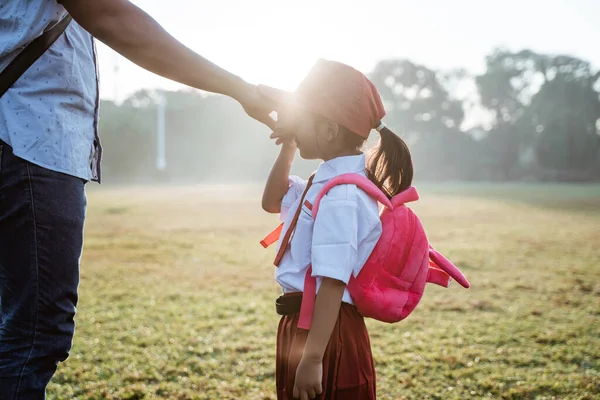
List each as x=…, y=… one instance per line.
x=176, y=298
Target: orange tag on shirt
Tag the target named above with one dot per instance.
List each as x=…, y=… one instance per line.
x=272, y=237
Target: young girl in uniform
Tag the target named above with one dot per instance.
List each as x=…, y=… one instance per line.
x=329, y=117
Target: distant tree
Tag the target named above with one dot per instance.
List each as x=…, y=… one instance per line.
x=416, y=99
x=565, y=113
x=420, y=108
x=505, y=88
x=542, y=102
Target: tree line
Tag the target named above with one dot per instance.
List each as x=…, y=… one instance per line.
x=528, y=116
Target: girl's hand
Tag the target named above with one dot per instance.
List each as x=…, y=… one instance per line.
x=309, y=378
x=282, y=138
x=283, y=133
x=285, y=128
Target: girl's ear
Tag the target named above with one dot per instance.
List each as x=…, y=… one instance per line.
x=333, y=130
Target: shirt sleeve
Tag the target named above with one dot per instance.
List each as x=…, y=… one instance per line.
x=335, y=235
x=295, y=190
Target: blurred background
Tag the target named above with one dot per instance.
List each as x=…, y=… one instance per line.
x=500, y=104
x=482, y=91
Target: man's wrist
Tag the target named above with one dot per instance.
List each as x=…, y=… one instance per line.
x=239, y=90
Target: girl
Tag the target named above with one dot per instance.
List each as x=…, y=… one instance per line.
x=329, y=117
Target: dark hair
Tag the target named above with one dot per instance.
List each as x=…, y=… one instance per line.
x=389, y=164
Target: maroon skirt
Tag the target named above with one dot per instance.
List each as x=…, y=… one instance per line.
x=348, y=369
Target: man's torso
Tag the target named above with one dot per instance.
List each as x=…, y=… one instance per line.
x=49, y=115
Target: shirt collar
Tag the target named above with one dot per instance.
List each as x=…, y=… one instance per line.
x=340, y=165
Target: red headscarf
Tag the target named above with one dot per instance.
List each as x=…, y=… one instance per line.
x=337, y=92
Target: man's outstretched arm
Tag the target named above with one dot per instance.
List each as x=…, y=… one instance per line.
x=131, y=32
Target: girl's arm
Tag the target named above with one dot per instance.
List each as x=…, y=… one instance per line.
x=278, y=183
x=327, y=308
x=309, y=374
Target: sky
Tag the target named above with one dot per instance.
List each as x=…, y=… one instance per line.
x=276, y=42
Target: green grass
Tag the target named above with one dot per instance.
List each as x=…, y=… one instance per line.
x=177, y=299
x=575, y=197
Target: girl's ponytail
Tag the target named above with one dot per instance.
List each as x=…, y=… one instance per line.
x=390, y=163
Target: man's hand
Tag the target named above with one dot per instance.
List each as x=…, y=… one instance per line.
x=309, y=379
x=257, y=105
x=285, y=128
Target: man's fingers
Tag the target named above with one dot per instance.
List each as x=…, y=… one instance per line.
x=272, y=97
x=311, y=393
x=280, y=137
x=304, y=395
x=272, y=104
x=261, y=115
x=296, y=392
x=268, y=121
x=320, y=388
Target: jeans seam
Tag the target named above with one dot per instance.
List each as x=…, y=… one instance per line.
x=37, y=280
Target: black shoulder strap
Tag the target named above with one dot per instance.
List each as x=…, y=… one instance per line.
x=30, y=54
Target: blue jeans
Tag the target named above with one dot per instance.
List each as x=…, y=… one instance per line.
x=41, y=238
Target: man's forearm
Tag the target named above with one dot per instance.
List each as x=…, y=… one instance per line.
x=133, y=33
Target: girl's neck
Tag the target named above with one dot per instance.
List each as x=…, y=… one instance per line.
x=344, y=153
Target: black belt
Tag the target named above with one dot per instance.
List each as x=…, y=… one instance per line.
x=288, y=305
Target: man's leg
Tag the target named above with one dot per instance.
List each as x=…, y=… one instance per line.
x=41, y=237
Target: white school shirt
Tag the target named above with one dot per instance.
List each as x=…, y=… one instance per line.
x=343, y=236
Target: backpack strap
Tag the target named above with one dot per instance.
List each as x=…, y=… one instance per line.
x=30, y=54
x=285, y=241
x=352, y=179
x=407, y=196
x=309, y=296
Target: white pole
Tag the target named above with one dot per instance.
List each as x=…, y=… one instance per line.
x=161, y=156
x=116, y=77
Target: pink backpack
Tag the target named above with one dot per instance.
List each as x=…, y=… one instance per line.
x=392, y=281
